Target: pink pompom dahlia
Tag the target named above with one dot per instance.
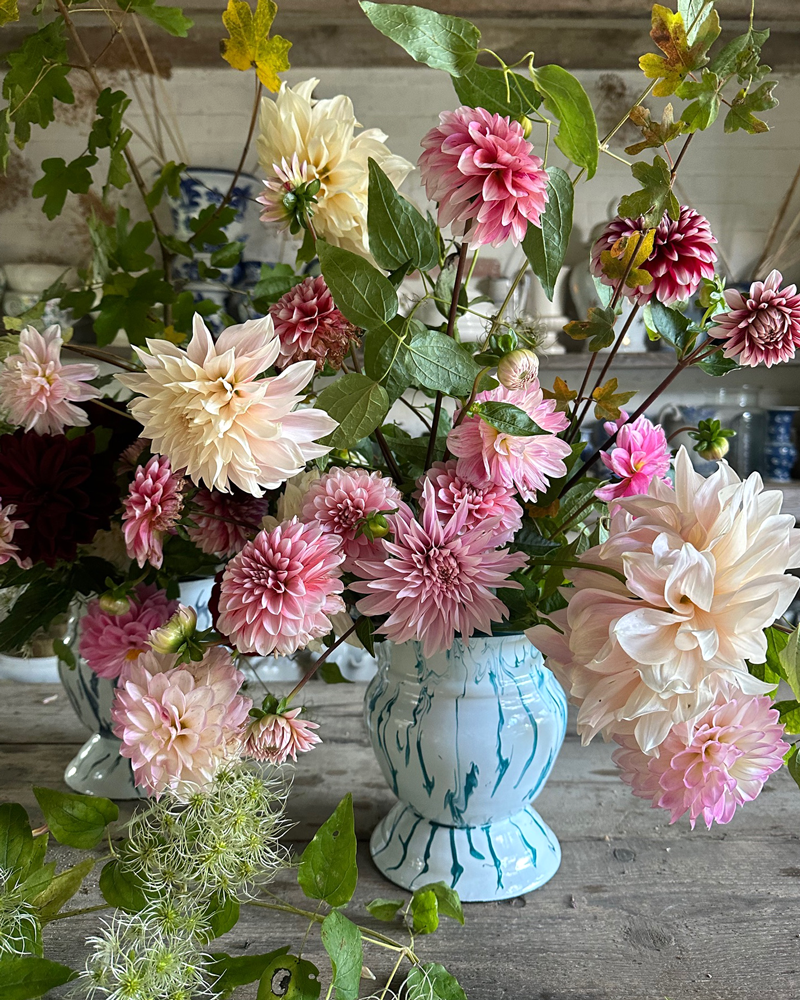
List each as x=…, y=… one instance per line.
x=479, y=167
x=8, y=525
x=683, y=254
x=278, y=593
x=310, y=327
x=342, y=500
x=526, y=464
x=764, y=327
x=639, y=455
x=225, y=521
x=481, y=502
x=152, y=509
x=711, y=765
x=275, y=738
x=110, y=642
x=433, y=581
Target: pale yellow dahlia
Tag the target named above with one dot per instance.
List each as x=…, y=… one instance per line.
x=303, y=140
x=209, y=412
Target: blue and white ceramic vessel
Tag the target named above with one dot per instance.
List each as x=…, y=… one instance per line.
x=780, y=453
x=466, y=739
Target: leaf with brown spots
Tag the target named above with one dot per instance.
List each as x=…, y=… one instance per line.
x=561, y=393
x=608, y=401
x=680, y=58
x=655, y=133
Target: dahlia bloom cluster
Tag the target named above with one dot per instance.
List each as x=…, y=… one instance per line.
x=640, y=453
x=480, y=502
x=310, y=327
x=762, y=327
x=152, y=509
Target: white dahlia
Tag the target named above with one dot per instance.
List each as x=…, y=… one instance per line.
x=209, y=412
x=705, y=573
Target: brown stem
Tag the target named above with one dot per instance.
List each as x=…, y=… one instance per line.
x=319, y=661
x=586, y=376
x=776, y=222
x=679, y=158
x=91, y=352
x=680, y=430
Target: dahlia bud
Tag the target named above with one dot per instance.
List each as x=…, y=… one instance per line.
x=112, y=604
x=175, y=633
x=375, y=525
x=518, y=369
x=527, y=126
x=712, y=440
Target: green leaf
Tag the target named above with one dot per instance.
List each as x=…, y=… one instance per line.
x=127, y=304
x=289, y=978
x=37, y=76
x=9, y=11
x=35, y=608
x=655, y=133
x=274, y=281
x=546, y=245
x=385, y=909
x=507, y=418
x=364, y=631
x=656, y=196
x=567, y=100
x=597, y=328
x=59, y=179
x=437, y=362
x=171, y=19
x=793, y=763
x=62, y=888
x=717, y=364
x=228, y=255
x=745, y=103
x=16, y=840
x=789, y=658
x=5, y=149
x=342, y=941
x=121, y=888
x=704, y=95
x=740, y=56
x=330, y=673
x=129, y=251
x=789, y=712
x=209, y=225
x=328, y=869
x=398, y=233
x=111, y=107
x=680, y=54
x=671, y=326
x=691, y=11
x=432, y=982
x=28, y=977
x=497, y=91
x=227, y=972
x=359, y=405
x=448, y=900
x=424, y=911
x=169, y=181
x=76, y=820
x=438, y=40
x=772, y=670
x=386, y=355
x=608, y=401
x=362, y=293
x=222, y=914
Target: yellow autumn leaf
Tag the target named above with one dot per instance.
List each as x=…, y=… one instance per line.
x=9, y=11
x=250, y=45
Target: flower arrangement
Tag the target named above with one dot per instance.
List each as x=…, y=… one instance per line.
x=275, y=455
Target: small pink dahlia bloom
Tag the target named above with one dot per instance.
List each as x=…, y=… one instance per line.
x=110, y=642
x=310, y=327
x=152, y=509
x=276, y=738
x=526, y=464
x=709, y=766
x=38, y=393
x=482, y=502
x=479, y=167
x=682, y=256
x=639, y=455
x=179, y=726
x=278, y=593
x=434, y=581
x=225, y=521
x=8, y=525
x=341, y=500
x=765, y=326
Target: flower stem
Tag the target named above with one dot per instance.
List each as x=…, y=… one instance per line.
x=78, y=913
x=318, y=663
x=498, y=316
x=98, y=355
x=383, y=444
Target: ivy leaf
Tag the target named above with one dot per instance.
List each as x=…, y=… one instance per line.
x=655, y=133
x=680, y=57
x=500, y=92
x=357, y=403
x=424, y=911
x=432, y=981
x=656, y=196
x=37, y=76
x=598, y=329
x=745, y=103
x=342, y=941
x=171, y=19
x=437, y=40
x=384, y=909
x=609, y=401
x=741, y=57
x=76, y=820
x=227, y=972
x=565, y=97
x=561, y=393
x=9, y=11
x=363, y=294
x=289, y=978
x=328, y=869
x=437, y=362
x=546, y=245
x=704, y=95
x=398, y=233
x=507, y=418
x=25, y=977
x=250, y=45
x=169, y=181
x=59, y=179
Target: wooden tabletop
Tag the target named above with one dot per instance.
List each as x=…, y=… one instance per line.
x=639, y=910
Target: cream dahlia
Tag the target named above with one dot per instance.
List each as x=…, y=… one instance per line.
x=37, y=392
x=434, y=581
x=480, y=502
x=480, y=168
x=209, y=412
x=518, y=369
x=764, y=326
x=224, y=521
x=278, y=593
x=8, y=525
x=310, y=327
x=276, y=738
x=301, y=140
x=704, y=571
x=152, y=509
x=710, y=766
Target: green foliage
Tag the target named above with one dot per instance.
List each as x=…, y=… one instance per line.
x=274, y=281
x=61, y=889
x=359, y=405
x=656, y=195
x=330, y=673
x=704, y=95
x=507, y=418
x=789, y=712
x=128, y=303
x=717, y=364
x=565, y=97
x=546, y=245
x=76, y=820
x=655, y=133
x=328, y=869
x=168, y=181
x=793, y=763
x=342, y=941
x=16, y=840
x=772, y=670
x=228, y=972
x=107, y=133
x=597, y=328
x=27, y=977
x=424, y=911
x=740, y=57
x=42, y=600
x=228, y=255
x=746, y=102
x=398, y=233
x=437, y=362
x=223, y=914
x=608, y=401
x=438, y=40
x=789, y=659
x=365, y=632
x=250, y=45
x=671, y=326
x=432, y=981
x=289, y=978
x=119, y=247
x=448, y=901
x=361, y=292
x=501, y=92
x=385, y=909
x=121, y=889
x=683, y=52
x=171, y=19
x=386, y=358
x=59, y=179
x=9, y=11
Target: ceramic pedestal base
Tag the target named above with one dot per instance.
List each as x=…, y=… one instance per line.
x=99, y=769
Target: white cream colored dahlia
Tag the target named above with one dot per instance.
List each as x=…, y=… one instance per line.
x=302, y=140
x=207, y=410
x=705, y=573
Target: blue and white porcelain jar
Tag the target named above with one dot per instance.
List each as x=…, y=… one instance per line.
x=780, y=453
x=466, y=739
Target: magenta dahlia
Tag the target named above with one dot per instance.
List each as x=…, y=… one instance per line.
x=225, y=521
x=152, y=509
x=765, y=326
x=310, y=327
x=278, y=593
x=640, y=453
x=682, y=256
x=481, y=169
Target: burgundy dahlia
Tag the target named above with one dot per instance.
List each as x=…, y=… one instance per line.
x=682, y=256
x=763, y=326
x=61, y=490
x=310, y=327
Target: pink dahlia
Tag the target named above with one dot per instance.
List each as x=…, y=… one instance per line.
x=765, y=326
x=152, y=509
x=639, y=455
x=179, y=726
x=276, y=738
x=8, y=525
x=341, y=501
x=480, y=168
x=434, y=581
x=526, y=464
x=277, y=594
x=682, y=256
x=310, y=327
x=38, y=393
x=109, y=642
x=711, y=765
x=225, y=521
x=481, y=502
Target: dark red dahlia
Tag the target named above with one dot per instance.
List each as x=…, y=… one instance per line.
x=61, y=490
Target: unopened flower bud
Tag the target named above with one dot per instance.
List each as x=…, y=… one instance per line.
x=378, y=525
x=114, y=605
x=176, y=632
x=518, y=369
x=714, y=451
x=712, y=440
x=527, y=125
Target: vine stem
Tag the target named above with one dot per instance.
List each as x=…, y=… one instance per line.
x=319, y=661
x=498, y=316
x=78, y=913
x=91, y=352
